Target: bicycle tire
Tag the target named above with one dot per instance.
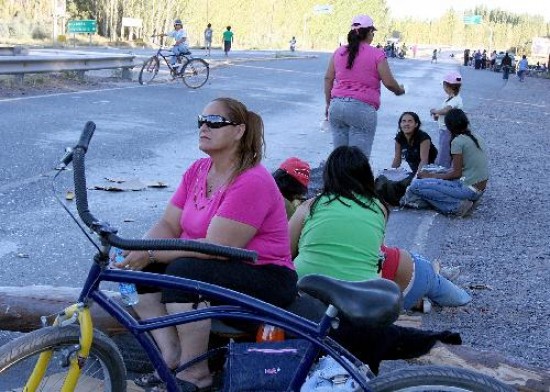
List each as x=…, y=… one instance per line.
x=103, y=371
x=195, y=73
x=436, y=378
x=149, y=70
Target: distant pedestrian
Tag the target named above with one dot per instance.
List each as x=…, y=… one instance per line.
x=466, y=57
x=506, y=65
x=523, y=67
x=434, y=56
x=208, y=38
x=292, y=43
x=414, y=49
x=227, y=40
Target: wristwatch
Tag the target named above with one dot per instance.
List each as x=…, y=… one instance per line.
x=152, y=259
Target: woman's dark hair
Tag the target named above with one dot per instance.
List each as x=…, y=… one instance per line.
x=355, y=37
x=290, y=188
x=457, y=123
x=347, y=174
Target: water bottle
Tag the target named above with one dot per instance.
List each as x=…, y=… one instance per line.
x=324, y=126
x=270, y=333
x=128, y=292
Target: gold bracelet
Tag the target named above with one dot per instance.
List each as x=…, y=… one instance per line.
x=152, y=259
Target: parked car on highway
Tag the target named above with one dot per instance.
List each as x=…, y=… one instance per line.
x=498, y=62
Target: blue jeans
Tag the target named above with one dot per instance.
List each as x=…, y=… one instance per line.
x=177, y=50
x=505, y=72
x=444, y=148
x=352, y=123
x=444, y=195
x=426, y=283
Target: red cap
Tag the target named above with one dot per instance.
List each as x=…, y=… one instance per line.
x=297, y=169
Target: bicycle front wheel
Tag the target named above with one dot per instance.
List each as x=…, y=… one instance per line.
x=436, y=379
x=149, y=70
x=195, y=73
x=103, y=371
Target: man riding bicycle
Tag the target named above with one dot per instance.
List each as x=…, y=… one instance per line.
x=180, y=44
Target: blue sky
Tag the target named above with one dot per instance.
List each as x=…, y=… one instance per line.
x=428, y=9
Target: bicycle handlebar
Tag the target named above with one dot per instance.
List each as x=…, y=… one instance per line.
x=77, y=156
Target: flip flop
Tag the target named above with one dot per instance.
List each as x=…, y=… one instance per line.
x=148, y=380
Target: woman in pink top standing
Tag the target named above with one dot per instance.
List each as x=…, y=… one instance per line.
x=352, y=87
x=230, y=199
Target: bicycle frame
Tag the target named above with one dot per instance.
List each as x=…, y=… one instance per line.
x=241, y=307
x=166, y=53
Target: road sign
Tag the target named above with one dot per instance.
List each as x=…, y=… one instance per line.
x=82, y=26
x=472, y=19
x=322, y=9
x=131, y=22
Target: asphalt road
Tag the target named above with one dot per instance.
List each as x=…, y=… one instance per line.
x=149, y=133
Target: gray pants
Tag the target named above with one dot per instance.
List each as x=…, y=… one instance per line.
x=444, y=148
x=352, y=123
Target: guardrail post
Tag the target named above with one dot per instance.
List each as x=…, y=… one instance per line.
x=127, y=73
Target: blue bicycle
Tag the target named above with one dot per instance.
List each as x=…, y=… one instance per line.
x=71, y=355
x=193, y=71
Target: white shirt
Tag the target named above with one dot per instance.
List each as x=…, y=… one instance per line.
x=177, y=35
x=455, y=103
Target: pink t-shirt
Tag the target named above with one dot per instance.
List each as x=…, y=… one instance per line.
x=362, y=81
x=251, y=198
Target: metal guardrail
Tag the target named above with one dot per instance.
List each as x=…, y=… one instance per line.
x=39, y=64
x=13, y=50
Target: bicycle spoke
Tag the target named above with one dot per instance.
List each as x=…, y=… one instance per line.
x=195, y=73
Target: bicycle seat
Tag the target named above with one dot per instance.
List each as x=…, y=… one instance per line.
x=372, y=303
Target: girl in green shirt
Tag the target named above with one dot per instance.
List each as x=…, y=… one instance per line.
x=339, y=232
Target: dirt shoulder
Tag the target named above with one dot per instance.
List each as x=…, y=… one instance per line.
x=503, y=247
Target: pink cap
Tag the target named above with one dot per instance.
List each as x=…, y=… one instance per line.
x=297, y=169
x=453, y=78
x=362, y=21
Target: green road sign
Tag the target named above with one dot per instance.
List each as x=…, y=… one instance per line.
x=472, y=19
x=82, y=26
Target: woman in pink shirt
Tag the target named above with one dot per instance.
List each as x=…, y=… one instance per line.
x=352, y=87
x=230, y=199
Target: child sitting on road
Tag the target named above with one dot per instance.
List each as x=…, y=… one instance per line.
x=292, y=179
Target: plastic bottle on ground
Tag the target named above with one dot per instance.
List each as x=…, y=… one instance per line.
x=270, y=333
x=128, y=291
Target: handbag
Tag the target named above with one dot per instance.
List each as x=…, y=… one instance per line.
x=267, y=366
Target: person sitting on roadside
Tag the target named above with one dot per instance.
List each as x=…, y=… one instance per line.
x=292, y=179
x=344, y=225
x=417, y=278
x=451, y=85
x=416, y=147
x=229, y=199
x=180, y=41
x=454, y=191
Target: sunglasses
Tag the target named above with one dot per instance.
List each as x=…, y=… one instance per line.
x=214, y=121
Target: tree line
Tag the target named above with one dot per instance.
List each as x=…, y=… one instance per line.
x=271, y=23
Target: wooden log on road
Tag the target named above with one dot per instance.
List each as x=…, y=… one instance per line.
x=21, y=308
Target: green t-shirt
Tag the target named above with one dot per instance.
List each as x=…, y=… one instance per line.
x=342, y=241
x=474, y=160
x=228, y=35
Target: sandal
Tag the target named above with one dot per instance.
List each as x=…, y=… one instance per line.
x=148, y=380
x=184, y=386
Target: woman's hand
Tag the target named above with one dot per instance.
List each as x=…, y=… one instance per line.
x=135, y=260
x=425, y=174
